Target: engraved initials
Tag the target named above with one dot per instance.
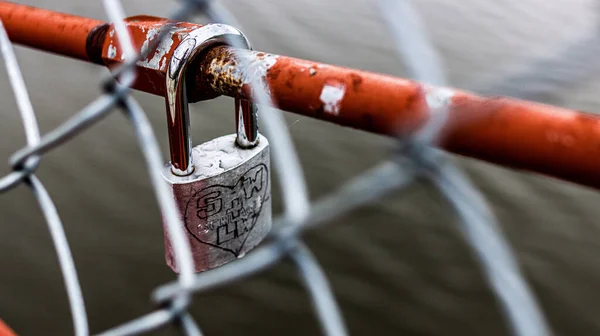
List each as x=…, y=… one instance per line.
x=209, y=205
x=222, y=216
x=251, y=184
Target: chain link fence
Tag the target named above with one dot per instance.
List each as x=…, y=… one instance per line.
x=414, y=158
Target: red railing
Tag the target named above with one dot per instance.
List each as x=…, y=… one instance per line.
x=549, y=140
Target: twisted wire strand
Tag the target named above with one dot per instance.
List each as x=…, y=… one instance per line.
x=478, y=224
x=32, y=132
x=317, y=285
x=189, y=326
x=374, y=184
x=498, y=261
x=181, y=247
x=55, y=226
x=65, y=258
x=294, y=193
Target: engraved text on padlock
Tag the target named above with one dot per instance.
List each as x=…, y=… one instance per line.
x=225, y=203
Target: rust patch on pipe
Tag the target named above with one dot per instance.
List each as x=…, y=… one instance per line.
x=228, y=71
x=218, y=65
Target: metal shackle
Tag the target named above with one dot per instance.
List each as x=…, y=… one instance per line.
x=180, y=140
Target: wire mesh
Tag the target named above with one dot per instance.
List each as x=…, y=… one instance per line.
x=415, y=158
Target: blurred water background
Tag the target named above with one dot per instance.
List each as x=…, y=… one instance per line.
x=398, y=266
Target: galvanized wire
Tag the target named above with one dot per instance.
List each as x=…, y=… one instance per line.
x=479, y=226
x=59, y=238
x=415, y=157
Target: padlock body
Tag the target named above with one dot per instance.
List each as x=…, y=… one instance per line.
x=225, y=204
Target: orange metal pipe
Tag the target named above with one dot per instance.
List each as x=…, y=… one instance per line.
x=549, y=140
x=55, y=32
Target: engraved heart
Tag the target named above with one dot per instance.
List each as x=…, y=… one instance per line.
x=223, y=216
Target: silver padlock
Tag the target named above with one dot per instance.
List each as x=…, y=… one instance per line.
x=223, y=186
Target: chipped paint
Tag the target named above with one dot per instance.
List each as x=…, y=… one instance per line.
x=149, y=36
x=560, y=138
x=163, y=63
x=331, y=97
x=159, y=59
x=112, y=32
x=437, y=97
x=438, y=100
x=112, y=51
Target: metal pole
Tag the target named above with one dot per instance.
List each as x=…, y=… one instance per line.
x=544, y=139
x=514, y=133
x=46, y=30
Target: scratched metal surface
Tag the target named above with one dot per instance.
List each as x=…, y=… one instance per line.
x=396, y=266
x=212, y=245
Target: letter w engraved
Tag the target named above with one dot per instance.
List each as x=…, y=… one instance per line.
x=251, y=185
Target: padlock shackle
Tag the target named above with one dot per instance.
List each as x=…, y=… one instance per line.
x=246, y=123
x=180, y=141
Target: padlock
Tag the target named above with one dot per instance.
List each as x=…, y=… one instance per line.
x=222, y=187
